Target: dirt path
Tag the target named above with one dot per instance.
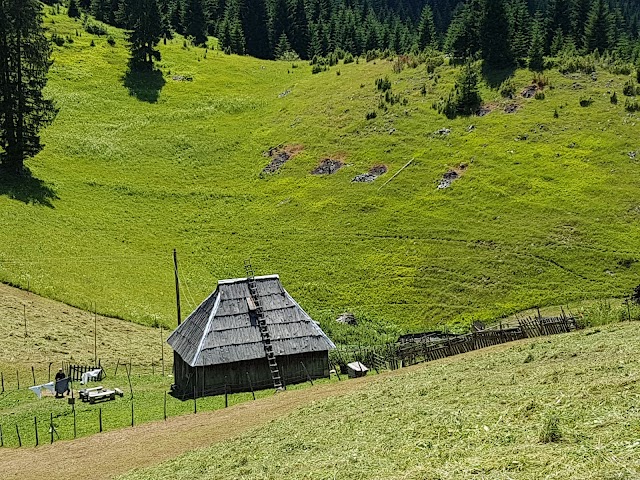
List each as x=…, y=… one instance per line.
x=119, y=451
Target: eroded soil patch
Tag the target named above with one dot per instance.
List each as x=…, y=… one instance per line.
x=279, y=156
x=451, y=175
x=373, y=173
x=327, y=166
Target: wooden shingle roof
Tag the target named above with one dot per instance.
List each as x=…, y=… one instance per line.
x=221, y=330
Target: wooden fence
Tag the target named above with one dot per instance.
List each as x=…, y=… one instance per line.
x=392, y=356
x=75, y=372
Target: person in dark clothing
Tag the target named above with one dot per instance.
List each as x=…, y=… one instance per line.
x=60, y=378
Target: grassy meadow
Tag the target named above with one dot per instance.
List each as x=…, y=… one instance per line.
x=562, y=407
x=545, y=213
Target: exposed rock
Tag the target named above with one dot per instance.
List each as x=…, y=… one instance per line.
x=347, y=318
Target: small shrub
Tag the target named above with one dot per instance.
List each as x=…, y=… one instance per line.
x=423, y=90
x=338, y=73
x=111, y=41
x=629, y=89
x=371, y=115
x=57, y=39
x=316, y=69
x=383, y=84
x=529, y=358
x=348, y=58
x=631, y=105
x=539, y=95
x=508, y=88
x=586, y=102
x=372, y=55
x=551, y=429
x=541, y=80
x=95, y=28
x=93, y=43
x=614, y=98
x=555, y=113
x=433, y=63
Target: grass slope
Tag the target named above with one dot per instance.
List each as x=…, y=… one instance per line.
x=487, y=415
x=58, y=332
x=129, y=173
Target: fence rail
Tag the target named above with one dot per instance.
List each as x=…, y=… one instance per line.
x=425, y=348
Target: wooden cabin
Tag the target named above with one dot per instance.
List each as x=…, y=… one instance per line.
x=221, y=347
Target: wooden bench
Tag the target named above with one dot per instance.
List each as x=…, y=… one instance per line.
x=84, y=393
x=96, y=394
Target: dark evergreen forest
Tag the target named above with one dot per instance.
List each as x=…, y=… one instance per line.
x=499, y=31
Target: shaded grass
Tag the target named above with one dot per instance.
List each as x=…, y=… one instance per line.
x=569, y=413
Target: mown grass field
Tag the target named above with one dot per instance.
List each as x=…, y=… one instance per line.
x=562, y=407
x=129, y=174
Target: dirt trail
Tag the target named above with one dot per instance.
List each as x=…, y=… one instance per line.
x=119, y=451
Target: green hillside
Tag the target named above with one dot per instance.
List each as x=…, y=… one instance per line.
x=563, y=407
x=545, y=212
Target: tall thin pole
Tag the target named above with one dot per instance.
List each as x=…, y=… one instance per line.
x=162, y=348
x=95, y=336
x=175, y=271
x=24, y=310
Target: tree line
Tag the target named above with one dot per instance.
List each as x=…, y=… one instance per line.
x=501, y=31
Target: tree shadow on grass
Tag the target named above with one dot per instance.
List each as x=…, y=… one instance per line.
x=26, y=188
x=143, y=83
x=494, y=77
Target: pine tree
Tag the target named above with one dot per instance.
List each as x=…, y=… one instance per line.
x=195, y=23
x=24, y=63
x=100, y=9
x=494, y=35
x=427, y=35
x=255, y=25
x=282, y=47
x=519, y=28
x=165, y=19
x=598, y=31
x=300, y=30
x=538, y=36
x=467, y=98
x=463, y=36
x=280, y=22
x=143, y=22
x=176, y=18
x=73, y=11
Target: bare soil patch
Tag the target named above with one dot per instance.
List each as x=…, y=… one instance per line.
x=373, y=173
x=279, y=156
x=511, y=108
x=327, y=166
x=485, y=109
x=451, y=175
x=530, y=91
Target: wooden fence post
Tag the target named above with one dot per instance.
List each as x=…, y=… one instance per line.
x=2, y=377
x=33, y=374
x=49, y=377
x=35, y=423
x=195, y=403
x=18, y=378
x=307, y=373
x=226, y=394
x=75, y=431
x=51, y=426
x=116, y=372
x=18, y=434
x=251, y=386
x=132, y=416
x=1, y=437
x=165, y=406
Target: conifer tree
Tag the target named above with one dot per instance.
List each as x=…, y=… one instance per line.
x=494, y=35
x=177, y=18
x=536, y=52
x=143, y=22
x=255, y=25
x=598, y=30
x=24, y=63
x=195, y=23
x=300, y=30
x=463, y=35
x=100, y=9
x=283, y=46
x=73, y=10
x=427, y=35
x=280, y=22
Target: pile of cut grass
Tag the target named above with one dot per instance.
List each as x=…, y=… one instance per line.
x=562, y=407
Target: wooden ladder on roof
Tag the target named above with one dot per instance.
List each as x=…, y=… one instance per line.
x=262, y=326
